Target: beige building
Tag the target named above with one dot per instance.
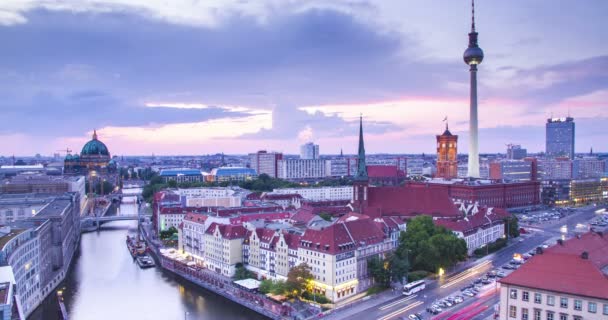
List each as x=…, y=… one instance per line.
x=565, y=282
x=270, y=253
x=224, y=247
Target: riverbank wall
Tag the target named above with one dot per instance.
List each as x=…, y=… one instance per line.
x=218, y=284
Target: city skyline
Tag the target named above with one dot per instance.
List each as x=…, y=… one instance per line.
x=177, y=82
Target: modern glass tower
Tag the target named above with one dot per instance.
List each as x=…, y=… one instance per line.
x=560, y=137
x=473, y=56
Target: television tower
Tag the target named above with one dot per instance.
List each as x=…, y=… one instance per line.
x=473, y=56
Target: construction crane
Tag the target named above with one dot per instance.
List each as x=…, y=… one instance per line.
x=66, y=150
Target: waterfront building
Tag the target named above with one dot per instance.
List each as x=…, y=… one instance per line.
x=265, y=162
x=270, y=253
x=512, y=170
x=44, y=184
x=232, y=174
x=224, y=247
x=588, y=168
x=9, y=309
x=182, y=175
x=94, y=157
x=516, y=152
x=559, y=168
x=565, y=281
x=318, y=194
x=447, y=155
x=15, y=207
x=309, y=151
x=560, y=137
x=299, y=169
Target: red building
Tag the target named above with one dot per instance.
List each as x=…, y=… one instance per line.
x=491, y=194
x=447, y=155
x=383, y=175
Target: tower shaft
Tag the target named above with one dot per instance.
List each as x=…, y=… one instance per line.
x=473, y=165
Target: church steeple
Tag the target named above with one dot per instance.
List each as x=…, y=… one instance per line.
x=361, y=165
x=94, y=134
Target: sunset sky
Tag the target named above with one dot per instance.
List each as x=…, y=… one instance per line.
x=236, y=76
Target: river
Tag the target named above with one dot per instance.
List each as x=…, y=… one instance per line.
x=105, y=283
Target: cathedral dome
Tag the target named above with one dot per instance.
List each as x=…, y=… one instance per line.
x=95, y=147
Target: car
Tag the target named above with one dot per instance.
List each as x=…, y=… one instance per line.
x=438, y=308
x=469, y=293
x=413, y=317
x=433, y=309
x=467, y=287
x=446, y=303
x=508, y=267
x=458, y=299
x=486, y=281
x=501, y=274
x=477, y=281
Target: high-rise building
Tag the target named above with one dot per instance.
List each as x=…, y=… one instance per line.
x=265, y=162
x=309, y=151
x=516, y=152
x=297, y=169
x=560, y=137
x=447, y=155
x=473, y=56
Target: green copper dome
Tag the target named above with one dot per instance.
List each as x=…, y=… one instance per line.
x=94, y=147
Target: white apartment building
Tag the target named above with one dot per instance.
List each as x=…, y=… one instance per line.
x=224, y=248
x=294, y=169
x=318, y=194
x=564, y=282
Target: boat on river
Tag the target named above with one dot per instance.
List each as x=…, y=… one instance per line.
x=145, y=261
x=136, y=247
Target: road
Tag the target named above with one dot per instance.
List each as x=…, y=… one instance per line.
x=481, y=306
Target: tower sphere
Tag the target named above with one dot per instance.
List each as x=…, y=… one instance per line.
x=473, y=55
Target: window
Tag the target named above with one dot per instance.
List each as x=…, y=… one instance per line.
x=578, y=305
x=577, y=317
x=563, y=316
x=512, y=311
x=513, y=294
x=537, y=314
x=550, y=300
x=537, y=298
x=605, y=309
x=525, y=296
x=524, y=314
x=550, y=315
x=563, y=302
x=592, y=307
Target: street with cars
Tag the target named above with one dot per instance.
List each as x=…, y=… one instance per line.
x=470, y=291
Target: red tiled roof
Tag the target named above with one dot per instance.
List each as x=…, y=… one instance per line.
x=594, y=244
x=292, y=240
x=303, y=216
x=410, y=201
x=228, y=231
x=332, y=240
x=196, y=217
x=380, y=171
x=559, y=272
x=351, y=216
x=472, y=223
x=364, y=231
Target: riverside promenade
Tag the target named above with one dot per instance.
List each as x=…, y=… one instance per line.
x=218, y=284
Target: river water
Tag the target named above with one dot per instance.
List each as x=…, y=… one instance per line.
x=105, y=283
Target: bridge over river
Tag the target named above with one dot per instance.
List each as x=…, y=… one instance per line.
x=131, y=208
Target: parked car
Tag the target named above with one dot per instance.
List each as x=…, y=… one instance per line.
x=469, y=293
x=458, y=299
x=413, y=317
x=501, y=274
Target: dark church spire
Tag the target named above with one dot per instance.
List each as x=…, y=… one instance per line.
x=361, y=166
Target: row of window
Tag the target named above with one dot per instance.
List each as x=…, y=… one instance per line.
x=563, y=301
x=537, y=314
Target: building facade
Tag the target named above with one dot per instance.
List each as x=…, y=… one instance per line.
x=264, y=162
x=230, y=174
x=309, y=151
x=94, y=157
x=560, y=137
x=588, y=168
x=516, y=152
x=298, y=169
x=181, y=175
x=224, y=248
x=512, y=170
x=559, y=168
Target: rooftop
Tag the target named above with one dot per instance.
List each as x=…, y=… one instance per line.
x=56, y=208
x=6, y=237
x=564, y=268
x=177, y=172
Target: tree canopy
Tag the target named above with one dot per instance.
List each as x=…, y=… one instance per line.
x=430, y=247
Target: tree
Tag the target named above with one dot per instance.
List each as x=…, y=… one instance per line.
x=299, y=279
x=172, y=183
x=398, y=267
x=240, y=272
x=512, y=227
x=379, y=271
x=429, y=247
x=166, y=234
x=265, y=286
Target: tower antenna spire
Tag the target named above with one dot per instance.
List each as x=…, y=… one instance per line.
x=472, y=15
